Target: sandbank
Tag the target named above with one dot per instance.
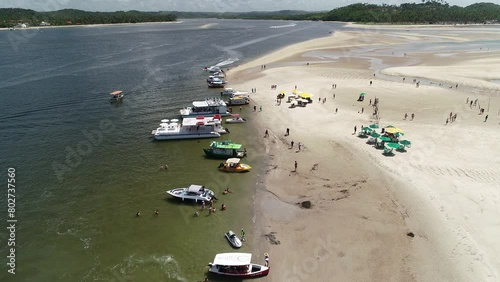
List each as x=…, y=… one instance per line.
x=428, y=214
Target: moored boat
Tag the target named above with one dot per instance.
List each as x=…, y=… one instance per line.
x=234, y=165
x=237, y=265
x=225, y=149
x=238, y=101
x=209, y=107
x=190, y=128
x=193, y=192
x=233, y=239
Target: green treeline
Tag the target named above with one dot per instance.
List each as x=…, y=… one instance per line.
x=12, y=17
x=430, y=12
x=426, y=12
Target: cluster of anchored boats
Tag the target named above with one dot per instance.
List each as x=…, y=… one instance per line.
x=204, y=120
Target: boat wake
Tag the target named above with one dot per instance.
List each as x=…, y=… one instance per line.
x=283, y=26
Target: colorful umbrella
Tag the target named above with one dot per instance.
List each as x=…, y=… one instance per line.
x=375, y=135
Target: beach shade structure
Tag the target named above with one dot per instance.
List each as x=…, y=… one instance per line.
x=393, y=145
x=385, y=138
x=366, y=129
x=374, y=126
x=405, y=143
x=375, y=134
x=393, y=130
x=389, y=126
x=306, y=96
x=399, y=134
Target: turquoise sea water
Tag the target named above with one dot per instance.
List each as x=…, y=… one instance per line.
x=84, y=167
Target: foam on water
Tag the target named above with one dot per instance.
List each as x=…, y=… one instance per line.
x=168, y=266
x=226, y=62
x=283, y=26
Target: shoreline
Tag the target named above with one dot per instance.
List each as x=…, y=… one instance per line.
x=84, y=25
x=364, y=205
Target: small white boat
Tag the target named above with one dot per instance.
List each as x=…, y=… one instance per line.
x=237, y=265
x=231, y=92
x=233, y=239
x=238, y=100
x=235, y=119
x=193, y=192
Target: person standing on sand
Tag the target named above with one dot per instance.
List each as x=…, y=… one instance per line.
x=485, y=118
x=362, y=109
x=446, y=122
x=296, y=164
x=355, y=129
x=260, y=108
x=300, y=146
x=467, y=101
x=291, y=144
x=287, y=131
x=254, y=108
x=370, y=102
x=266, y=134
x=406, y=116
x=412, y=116
x=336, y=110
x=371, y=83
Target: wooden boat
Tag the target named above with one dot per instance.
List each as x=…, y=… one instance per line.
x=116, y=96
x=233, y=239
x=225, y=149
x=237, y=265
x=234, y=165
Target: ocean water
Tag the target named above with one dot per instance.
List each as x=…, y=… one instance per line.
x=84, y=167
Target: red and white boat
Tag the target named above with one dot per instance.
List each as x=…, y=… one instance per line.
x=237, y=265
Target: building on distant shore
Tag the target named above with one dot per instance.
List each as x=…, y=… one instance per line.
x=44, y=24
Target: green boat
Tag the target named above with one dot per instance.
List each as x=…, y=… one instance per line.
x=225, y=149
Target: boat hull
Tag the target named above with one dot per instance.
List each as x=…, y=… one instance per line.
x=235, y=154
x=262, y=271
x=186, y=136
x=240, y=168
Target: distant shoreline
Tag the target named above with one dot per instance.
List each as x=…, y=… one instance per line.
x=85, y=25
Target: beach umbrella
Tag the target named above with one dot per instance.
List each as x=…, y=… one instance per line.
x=393, y=145
x=362, y=94
x=405, y=143
x=374, y=126
x=399, y=134
x=389, y=126
x=393, y=130
x=366, y=129
x=385, y=138
x=375, y=134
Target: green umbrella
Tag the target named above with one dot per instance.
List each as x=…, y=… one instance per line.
x=375, y=134
x=389, y=126
x=399, y=134
x=366, y=129
x=393, y=145
x=374, y=126
x=362, y=94
x=405, y=142
x=385, y=138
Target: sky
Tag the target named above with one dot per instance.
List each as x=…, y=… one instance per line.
x=203, y=5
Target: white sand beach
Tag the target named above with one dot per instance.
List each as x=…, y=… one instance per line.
x=429, y=214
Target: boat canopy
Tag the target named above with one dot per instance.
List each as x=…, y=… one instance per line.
x=233, y=160
x=200, y=104
x=233, y=259
x=117, y=92
x=194, y=188
x=226, y=145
